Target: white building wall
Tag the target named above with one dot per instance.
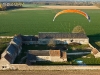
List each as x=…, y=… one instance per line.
x=43, y=58
x=57, y=59
x=97, y=55
x=4, y=64
x=65, y=41
x=51, y=58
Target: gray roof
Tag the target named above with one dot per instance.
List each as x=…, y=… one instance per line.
x=31, y=57
x=11, y=49
x=39, y=52
x=48, y=35
x=29, y=38
x=8, y=57
x=17, y=40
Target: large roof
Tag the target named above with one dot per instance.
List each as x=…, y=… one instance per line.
x=11, y=49
x=29, y=38
x=49, y=35
x=8, y=57
x=39, y=52
x=55, y=53
x=17, y=39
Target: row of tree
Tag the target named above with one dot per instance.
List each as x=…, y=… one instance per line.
x=68, y=3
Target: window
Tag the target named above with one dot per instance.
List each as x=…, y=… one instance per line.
x=71, y=40
x=4, y=66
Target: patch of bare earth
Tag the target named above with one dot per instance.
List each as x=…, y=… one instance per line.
x=67, y=72
x=71, y=7
x=59, y=7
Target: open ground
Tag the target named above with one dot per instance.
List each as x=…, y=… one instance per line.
x=67, y=72
x=71, y=7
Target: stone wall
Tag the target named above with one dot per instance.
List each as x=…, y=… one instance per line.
x=6, y=36
x=54, y=67
x=91, y=45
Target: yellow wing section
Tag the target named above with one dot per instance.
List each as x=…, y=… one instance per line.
x=72, y=11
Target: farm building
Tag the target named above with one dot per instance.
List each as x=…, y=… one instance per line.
x=46, y=55
x=15, y=46
x=58, y=38
x=62, y=38
x=11, y=52
x=29, y=39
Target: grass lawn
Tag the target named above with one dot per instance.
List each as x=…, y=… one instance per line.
x=88, y=60
x=3, y=44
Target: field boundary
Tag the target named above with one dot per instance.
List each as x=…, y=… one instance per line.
x=71, y=7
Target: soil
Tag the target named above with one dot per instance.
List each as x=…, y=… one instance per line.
x=67, y=72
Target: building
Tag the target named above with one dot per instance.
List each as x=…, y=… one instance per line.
x=62, y=38
x=11, y=52
x=34, y=56
x=15, y=46
x=29, y=39
x=17, y=42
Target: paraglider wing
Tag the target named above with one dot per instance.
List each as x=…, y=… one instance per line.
x=72, y=11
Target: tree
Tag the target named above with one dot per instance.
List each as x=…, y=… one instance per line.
x=78, y=29
x=51, y=43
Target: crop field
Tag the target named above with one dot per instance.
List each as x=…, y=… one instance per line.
x=30, y=22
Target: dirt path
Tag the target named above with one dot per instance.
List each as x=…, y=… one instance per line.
x=68, y=72
x=71, y=7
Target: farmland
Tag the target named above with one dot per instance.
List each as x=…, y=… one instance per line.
x=33, y=21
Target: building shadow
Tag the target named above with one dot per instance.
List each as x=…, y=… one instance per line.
x=93, y=39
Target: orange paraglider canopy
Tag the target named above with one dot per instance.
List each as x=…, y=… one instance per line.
x=72, y=11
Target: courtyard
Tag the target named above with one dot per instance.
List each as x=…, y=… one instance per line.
x=69, y=48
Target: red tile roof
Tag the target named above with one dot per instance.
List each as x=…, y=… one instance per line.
x=54, y=52
x=95, y=51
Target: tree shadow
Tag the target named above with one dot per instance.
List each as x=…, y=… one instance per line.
x=15, y=7
x=3, y=33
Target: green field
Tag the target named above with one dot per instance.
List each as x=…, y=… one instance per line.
x=33, y=21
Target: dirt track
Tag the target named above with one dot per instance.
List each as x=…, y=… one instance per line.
x=71, y=7
x=68, y=72
x=59, y=7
